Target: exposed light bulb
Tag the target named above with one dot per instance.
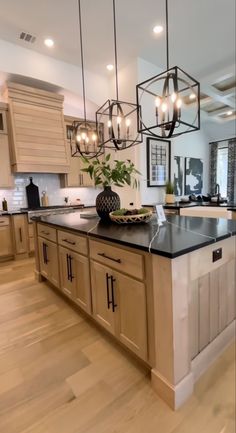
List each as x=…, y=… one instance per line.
x=158, y=102
x=128, y=122
x=173, y=97
x=109, y=123
x=87, y=139
x=84, y=136
x=78, y=138
x=94, y=137
x=164, y=107
x=192, y=96
x=229, y=113
x=118, y=120
x=110, y=67
x=179, y=103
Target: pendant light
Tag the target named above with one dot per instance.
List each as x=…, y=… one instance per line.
x=84, y=137
x=119, y=117
x=173, y=98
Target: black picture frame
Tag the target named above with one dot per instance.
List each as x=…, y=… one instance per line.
x=158, y=149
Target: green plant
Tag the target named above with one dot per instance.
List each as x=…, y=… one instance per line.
x=169, y=187
x=120, y=173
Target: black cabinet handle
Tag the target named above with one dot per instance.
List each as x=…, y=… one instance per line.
x=110, y=258
x=45, y=257
x=67, y=266
x=20, y=233
x=112, y=294
x=108, y=294
x=70, y=267
x=68, y=242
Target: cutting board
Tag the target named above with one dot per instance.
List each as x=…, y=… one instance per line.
x=32, y=193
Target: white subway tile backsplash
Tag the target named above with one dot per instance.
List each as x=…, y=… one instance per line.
x=50, y=183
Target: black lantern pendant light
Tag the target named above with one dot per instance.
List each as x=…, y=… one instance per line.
x=173, y=98
x=119, y=117
x=84, y=138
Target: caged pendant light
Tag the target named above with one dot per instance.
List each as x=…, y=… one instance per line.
x=173, y=98
x=119, y=117
x=84, y=137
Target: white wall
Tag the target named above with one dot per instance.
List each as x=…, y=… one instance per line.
x=220, y=131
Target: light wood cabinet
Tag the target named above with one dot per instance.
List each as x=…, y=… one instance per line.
x=36, y=124
x=6, y=178
x=48, y=260
x=6, y=245
x=74, y=274
x=20, y=228
x=119, y=305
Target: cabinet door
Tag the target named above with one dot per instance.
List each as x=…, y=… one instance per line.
x=80, y=269
x=130, y=297
x=101, y=296
x=6, y=248
x=67, y=272
x=21, y=234
x=6, y=178
x=48, y=258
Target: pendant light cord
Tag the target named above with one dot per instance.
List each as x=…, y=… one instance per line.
x=167, y=37
x=115, y=47
x=82, y=59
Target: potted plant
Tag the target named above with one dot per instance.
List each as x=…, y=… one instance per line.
x=119, y=173
x=170, y=197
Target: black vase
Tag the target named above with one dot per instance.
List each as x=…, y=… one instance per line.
x=107, y=201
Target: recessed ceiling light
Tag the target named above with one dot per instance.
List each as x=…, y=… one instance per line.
x=48, y=42
x=192, y=96
x=158, y=29
x=110, y=67
x=229, y=113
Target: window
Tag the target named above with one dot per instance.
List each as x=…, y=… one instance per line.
x=222, y=169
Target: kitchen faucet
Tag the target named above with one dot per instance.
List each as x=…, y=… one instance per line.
x=217, y=192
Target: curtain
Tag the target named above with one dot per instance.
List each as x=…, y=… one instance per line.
x=213, y=166
x=231, y=184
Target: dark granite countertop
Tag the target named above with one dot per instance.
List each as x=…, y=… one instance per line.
x=12, y=212
x=181, y=205
x=178, y=236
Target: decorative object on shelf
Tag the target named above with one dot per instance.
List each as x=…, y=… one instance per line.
x=174, y=99
x=4, y=205
x=178, y=175
x=120, y=174
x=170, y=197
x=44, y=199
x=84, y=138
x=119, y=117
x=158, y=162
x=133, y=216
x=193, y=176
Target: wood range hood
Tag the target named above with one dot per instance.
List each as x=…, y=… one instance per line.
x=36, y=130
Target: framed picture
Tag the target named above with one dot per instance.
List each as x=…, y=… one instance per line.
x=158, y=162
x=193, y=176
x=178, y=172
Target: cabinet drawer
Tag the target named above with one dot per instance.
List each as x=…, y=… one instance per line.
x=73, y=242
x=4, y=221
x=121, y=259
x=47, y=232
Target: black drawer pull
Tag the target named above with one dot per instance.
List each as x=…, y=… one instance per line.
x=45, y=256
x=68, y=242
x=112, y=294
x=110, y=258
x=45, y=233
x=20, y=233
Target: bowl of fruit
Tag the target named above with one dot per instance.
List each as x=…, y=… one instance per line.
x=131, y=216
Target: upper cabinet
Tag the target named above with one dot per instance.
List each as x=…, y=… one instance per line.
x=75, y=177
x=6, y=178
x=38, y=138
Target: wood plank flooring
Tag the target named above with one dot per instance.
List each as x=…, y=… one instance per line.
x=60, y=374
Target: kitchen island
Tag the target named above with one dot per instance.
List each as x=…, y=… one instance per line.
x=167, y=294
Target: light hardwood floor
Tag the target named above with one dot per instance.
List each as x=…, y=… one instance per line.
x=60, y=374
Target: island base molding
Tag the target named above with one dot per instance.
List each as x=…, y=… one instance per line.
x=174, y=395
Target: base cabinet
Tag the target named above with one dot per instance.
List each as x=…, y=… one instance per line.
x=48, y=260
x=20, y=227
x=119, y=305
x=6, y=246
x=74, y=275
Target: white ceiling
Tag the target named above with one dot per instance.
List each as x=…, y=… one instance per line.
x=202, y=32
